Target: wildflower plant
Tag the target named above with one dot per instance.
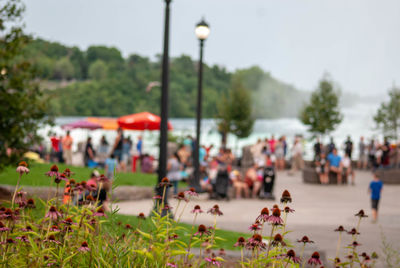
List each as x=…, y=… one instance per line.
x=80, y=233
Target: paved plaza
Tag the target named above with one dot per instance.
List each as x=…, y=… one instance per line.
x=318, y=211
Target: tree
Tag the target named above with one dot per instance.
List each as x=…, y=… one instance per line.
x=387, y=117
x=63, y=69
x=98, y=70
x=22, y=108
x=322, y=115
x=235, y=112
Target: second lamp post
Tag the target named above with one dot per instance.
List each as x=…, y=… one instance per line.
x=202, y=31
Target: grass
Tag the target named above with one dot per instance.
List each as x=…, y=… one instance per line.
x=36, y=176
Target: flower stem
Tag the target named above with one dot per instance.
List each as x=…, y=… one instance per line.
x=177, y=207
x=15, y=191
x=180, y=215
x=338, y=244
x=301, y=255
x=269, y=241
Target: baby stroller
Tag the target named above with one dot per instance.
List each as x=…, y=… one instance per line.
x=268, y=184
x=220, y=188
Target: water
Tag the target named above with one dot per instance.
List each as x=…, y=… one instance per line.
x=357, y=122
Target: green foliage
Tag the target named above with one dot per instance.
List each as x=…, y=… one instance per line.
x=22, y=107
x=115, y=80
x=322, y=115
x=98, y=70
x=387, y=117
x=235, y=112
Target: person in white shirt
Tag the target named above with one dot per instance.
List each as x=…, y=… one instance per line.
x=347, y=168
x=297, y=155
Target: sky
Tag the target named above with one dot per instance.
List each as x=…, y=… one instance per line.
x=356, y=41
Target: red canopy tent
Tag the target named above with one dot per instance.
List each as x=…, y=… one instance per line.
x=141, y=121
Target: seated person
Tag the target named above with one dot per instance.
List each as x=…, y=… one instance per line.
x=335, y=164
x=321, y=168
x=347, y=168
x=253, y=180
x=239, y=185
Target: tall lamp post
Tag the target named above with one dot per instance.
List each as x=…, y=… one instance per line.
x=162, y=166
x=202, y=31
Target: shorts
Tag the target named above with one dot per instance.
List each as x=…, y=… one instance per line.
x=320, y=169
x=374, y=204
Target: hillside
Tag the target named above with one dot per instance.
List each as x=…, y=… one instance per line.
x=100, y=82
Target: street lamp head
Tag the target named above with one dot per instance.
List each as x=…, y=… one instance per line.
x=202, y=30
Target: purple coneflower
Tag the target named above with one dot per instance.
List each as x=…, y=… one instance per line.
x=286, y=198
x=275, y=217
x=255, y=242
x=361, y=214
x=202, y=230
x=278, y=239
x=91, y=187
x=3, y=228
x=157, y=197
x=167, y=207
x=68, y=221
x=30, y=203
x=305, y=240
x=52, y=238
x=288, y=210
x=291, y=255
x=103, y=178
x=171, y=264
x=128, y=226
x=100, y=212
x=337, y=261
x=8, y=241
x=21, y=199
x=314, y=260
x=60, y=178
x=28, y=228
x=84, y=247
x=241, y=242
x=353, y=232
x=191, y=192
x=22, y=238
x=213, y=261
x=215, y=210
x=340, y=229
x=54, y=228
x=22, y=168
x=53, y=171
x=197, y=209
x=354, y=244
x=141, y=216
x=173, y=237
x=255, y=227
x=53, y=214
x=264, y=215
x=181, y=196
x=164, y=183
x=68, y=172
x=8, y=214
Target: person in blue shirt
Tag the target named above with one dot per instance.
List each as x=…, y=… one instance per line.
x=375, y=189
x=111, y=166
x=335, y=164
x=139, y=146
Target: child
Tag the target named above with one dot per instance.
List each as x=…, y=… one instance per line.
x=375, y=188
x=111, y=164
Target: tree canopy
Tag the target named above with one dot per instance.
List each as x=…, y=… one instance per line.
x=101, y=82
x=387, y=117
x=322, y=115
x=22, y=107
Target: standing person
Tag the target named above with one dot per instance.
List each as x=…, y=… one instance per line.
x=348, y=147
x=55, y=148
x=174, y=168
x=111, y=166
x=67, y=148
x=60, y=153
x=335, y=165
x=331, y=146
x=102, y=150
x=320, y=167
x=126, y=153
x=347, y=168
x=117, y=147
x=375, y=189
x=280, y=154
x=297, y=155
x=139, y=146
x=272, y=143
x=362, y=154
x=317, y=149
x=385, y=153
x=371, y=154
x=89, y=154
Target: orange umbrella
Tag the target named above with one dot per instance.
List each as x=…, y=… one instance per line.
x=141, y=121
x=106, y=123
